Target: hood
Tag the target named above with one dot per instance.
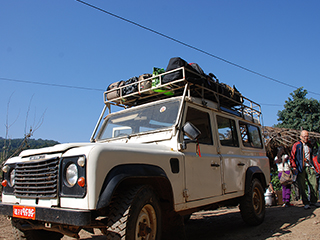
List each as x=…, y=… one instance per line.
x=59, y=148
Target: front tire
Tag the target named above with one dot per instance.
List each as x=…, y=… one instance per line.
x=252, y=205
x=135, y=214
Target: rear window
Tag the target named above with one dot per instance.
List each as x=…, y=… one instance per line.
x=250, y=135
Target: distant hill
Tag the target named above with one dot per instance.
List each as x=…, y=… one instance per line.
x=14, y=144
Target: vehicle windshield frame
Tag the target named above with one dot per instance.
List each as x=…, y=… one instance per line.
x=145, y=119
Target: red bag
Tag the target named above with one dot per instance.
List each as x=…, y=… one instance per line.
x=316, y=164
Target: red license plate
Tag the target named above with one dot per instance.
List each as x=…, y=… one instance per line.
x=24, y=212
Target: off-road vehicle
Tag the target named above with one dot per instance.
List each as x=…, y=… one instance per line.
x=176, y=148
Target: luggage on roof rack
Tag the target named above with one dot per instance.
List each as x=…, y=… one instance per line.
x=153, y=87
x=113, y=90
x=194, y=73
x=149, y=88
x=145, y=83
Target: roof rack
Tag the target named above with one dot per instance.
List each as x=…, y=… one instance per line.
x=202, y=86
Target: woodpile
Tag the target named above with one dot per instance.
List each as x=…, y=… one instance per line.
x=276, y=137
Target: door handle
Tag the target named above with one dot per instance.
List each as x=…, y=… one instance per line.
x=241, y=164
x=215, y=165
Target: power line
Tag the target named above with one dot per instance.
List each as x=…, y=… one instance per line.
x=271, y=104
x=85, y=88
x=51, y=84
x=190, y=46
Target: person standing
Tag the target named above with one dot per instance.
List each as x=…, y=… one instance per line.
x=316, y=162
x=283, y=165
x=301, y=162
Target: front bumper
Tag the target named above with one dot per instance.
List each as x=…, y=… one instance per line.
x=55, y=215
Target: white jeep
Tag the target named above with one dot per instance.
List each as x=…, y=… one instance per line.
x=160, y=159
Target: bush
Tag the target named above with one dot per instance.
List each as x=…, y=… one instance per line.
x=275, y=180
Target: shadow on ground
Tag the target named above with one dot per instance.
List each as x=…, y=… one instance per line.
x=228, y=224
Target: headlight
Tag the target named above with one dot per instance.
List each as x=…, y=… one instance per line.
x=73, y=177
x=72, y=174
x=9, y=178
x=12, y=176
x=5, y=168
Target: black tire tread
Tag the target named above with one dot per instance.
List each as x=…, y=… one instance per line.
x=247, y=212
x=120, y=210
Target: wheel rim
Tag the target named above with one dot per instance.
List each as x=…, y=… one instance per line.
x=257, y=200
x=146, y=227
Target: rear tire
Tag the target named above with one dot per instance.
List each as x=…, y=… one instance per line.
x=32, y=234
x=135, y=214
x=252, y=205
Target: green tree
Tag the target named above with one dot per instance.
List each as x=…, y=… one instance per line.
x=300, y=112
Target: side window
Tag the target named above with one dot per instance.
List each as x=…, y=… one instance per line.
x=227, y=132
x=244, y=134
x=202, y=121
x=250, y=135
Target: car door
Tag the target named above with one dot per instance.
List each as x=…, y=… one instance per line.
x=234, y=165
x=202, y=162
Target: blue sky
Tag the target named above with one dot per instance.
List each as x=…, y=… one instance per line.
x=64, y=42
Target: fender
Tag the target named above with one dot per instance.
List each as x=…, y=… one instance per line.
x=121, y=172
x=254, y=172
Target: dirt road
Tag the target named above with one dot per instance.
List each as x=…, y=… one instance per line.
x=294, y=223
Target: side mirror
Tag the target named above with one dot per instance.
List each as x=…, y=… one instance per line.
x=193, y=134
x=191, y=131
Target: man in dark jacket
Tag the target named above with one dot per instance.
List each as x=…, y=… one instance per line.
x=301, y=162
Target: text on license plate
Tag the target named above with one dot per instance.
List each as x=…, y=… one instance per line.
x=24, y=212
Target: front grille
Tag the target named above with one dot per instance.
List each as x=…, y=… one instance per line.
x=37, y=179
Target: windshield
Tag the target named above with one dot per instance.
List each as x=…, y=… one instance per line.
x=140, y=120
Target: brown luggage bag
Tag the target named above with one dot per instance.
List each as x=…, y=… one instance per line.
x=113, y=90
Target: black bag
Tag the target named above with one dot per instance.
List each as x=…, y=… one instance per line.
x=131, y=86
x=114, y=90
x=174, y=63
x=214, y=77
x=204, y=79
x=197, y=68
x=236, y=95
x=211, y=83
x=225, y=90
x=230, y=92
